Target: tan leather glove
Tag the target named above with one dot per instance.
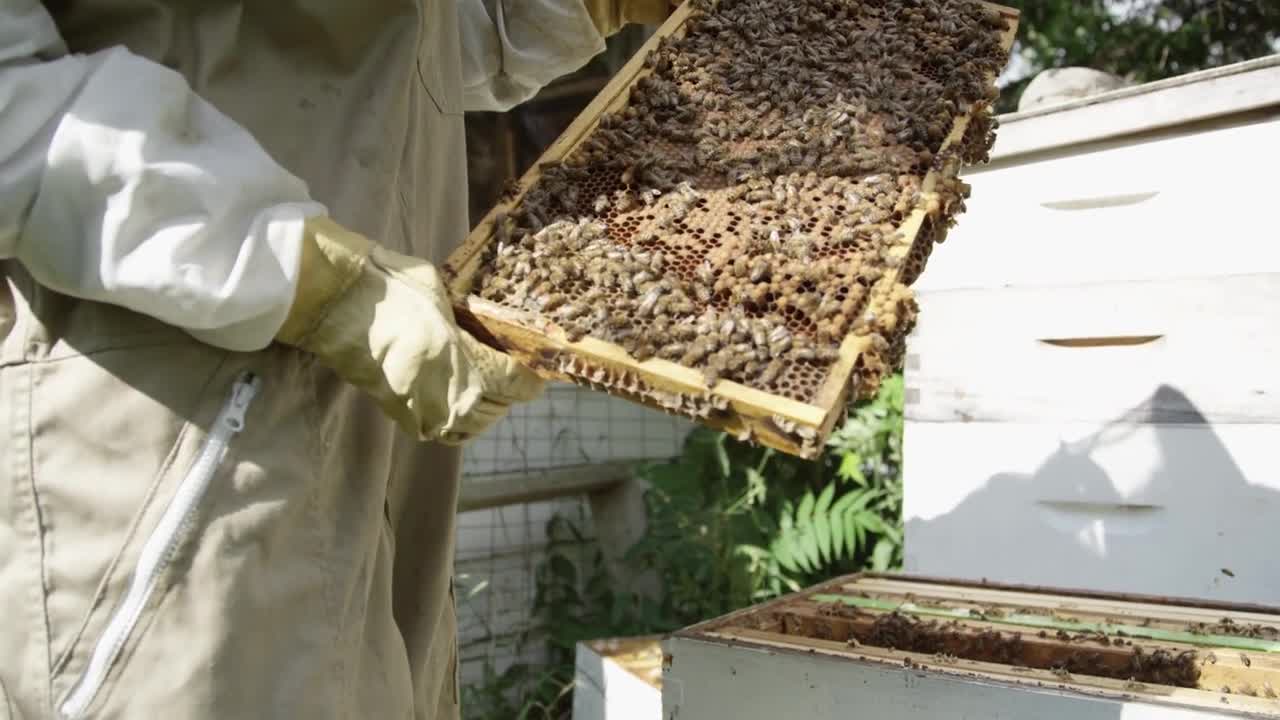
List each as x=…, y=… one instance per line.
x=384, y=323
x=610, y=16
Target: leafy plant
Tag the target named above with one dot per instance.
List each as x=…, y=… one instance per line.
x=521, y=692
x=729, y=525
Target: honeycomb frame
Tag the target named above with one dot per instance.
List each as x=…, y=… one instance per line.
x=1184, y=653
x=792, y=425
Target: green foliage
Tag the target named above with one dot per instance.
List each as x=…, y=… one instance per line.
x=729, y=525
x=522, y=692
x=732, y=524
x=1142, y=40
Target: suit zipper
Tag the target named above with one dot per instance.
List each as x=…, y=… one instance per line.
x=157, y=551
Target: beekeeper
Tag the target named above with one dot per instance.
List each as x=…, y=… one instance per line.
x=231, y=386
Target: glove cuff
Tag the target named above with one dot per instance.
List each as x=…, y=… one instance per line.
x=332, y=260
x=645, y=12
x=610, y=16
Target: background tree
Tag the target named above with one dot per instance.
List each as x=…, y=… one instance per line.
x=1140, y=40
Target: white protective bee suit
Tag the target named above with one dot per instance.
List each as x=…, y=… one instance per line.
x=206, y=508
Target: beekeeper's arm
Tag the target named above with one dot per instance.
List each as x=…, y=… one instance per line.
x=513, y=48
x=118, y=184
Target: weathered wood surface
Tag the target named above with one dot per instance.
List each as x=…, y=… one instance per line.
x=511, y=488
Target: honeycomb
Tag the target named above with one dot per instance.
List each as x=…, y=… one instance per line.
x=743, y=211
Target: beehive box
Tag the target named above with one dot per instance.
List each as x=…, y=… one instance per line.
x=913, y=647
x=1096, y=420
x=618, y=679
x=729, y=230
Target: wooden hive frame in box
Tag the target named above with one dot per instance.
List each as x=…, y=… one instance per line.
x=792, y=426
x=1219, y=657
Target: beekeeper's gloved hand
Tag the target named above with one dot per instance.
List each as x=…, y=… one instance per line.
x=610, y=16
x=384, y=323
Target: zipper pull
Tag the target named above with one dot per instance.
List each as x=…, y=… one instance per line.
x=246, y=388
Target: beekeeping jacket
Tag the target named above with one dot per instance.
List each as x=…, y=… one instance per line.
x=196, y=522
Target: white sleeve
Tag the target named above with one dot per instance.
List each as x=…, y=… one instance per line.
x=121, y=185
x=511, y=49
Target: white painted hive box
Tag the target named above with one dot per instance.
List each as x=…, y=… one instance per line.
x=618, y=679
x=1093, y=388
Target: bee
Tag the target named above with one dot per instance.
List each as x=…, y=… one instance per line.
x=695, y=353
x=619, y=319
x=712, y=372
x=687, y=192
x=779, y=340
x=759, y=270
x=548, y=303
x=649, y=301
x=571, y=311
x=623, y=201
x=671, y=351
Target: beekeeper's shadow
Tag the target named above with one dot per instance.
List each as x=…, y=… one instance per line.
x=1193, y=526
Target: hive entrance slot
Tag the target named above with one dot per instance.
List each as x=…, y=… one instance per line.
x=1109, y=341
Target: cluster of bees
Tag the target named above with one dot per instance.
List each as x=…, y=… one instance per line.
x=740, y=213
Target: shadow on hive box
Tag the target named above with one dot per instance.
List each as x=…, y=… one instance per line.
x=1137, y=506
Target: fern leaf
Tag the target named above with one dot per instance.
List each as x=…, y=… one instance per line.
x=882, y=555
x=838, y=529
x=824, y=500
x=799, y=550
x=781, y=549
x=784, y=517
x=804, y=513
x=822, y=533
x=871, y=522
x=809, y=547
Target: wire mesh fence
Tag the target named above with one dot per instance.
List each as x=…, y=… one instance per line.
x=499, y=548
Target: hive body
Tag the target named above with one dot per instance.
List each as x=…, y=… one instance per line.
x=917, y=648
x=730, y=230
